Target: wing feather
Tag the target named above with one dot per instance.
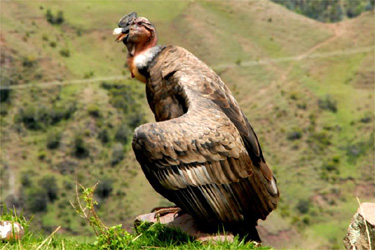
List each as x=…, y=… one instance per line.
x=208, y=176
x=208, y=161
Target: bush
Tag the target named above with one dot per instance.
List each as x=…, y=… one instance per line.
x=120, y=103
x=367, y=118
x=65, y=52
x=319, y=140
x=331, y=167
x=355, y=150
x=66, y=167
x=104, y=188
x=4, y=95
x=42, y=155
x=135, y=119
x=53, y=44
x=6, y=80
x=303, y=206
x=49, y=184
x=328, y=103
x=29, y=117
x=328, y=11
x=80, y=149
x=57, y=113
x=123, y=134
x=36, y=200
x=295, y=134
x=36, y=118
x=53, y=140
x=117, y=154
x=29, y=61
x=26, y=178
x=330, y=170
x=88, y=75
x=104, y=136
x=59, y=19
x=93, y=110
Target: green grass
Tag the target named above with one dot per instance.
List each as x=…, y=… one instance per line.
x=156, y=237
x=145, y=235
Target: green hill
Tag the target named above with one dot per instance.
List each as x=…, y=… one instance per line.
x=306, y=87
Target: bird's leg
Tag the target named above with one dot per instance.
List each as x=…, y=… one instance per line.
x=160, y=211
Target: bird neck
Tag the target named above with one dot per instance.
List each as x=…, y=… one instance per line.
x=136, y=50
x=139, y=63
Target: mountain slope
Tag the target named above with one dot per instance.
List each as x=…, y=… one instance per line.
x=311, y=109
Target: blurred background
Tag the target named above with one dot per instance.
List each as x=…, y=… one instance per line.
x=302, y=71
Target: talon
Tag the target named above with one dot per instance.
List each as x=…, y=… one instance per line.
x=160, y=211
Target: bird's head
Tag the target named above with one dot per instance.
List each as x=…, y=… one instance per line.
x=135, y=32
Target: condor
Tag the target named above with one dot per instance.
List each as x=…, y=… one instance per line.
x=201, y=153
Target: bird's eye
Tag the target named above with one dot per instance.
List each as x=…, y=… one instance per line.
x=139, y=23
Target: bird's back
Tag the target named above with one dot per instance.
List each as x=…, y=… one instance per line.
x=202, y=154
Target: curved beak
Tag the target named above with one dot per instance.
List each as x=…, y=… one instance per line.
x=122, y=32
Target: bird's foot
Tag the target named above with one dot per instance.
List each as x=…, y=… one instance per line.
x=160, y=211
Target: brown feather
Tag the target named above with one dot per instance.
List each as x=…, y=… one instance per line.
x=202, y=153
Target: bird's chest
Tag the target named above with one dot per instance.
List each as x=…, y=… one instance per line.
x=138, y=67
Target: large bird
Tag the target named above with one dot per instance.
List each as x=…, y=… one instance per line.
x=201, y=153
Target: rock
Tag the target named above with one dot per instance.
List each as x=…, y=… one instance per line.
x=11, y=231
x=186, y=223
x=357, y=237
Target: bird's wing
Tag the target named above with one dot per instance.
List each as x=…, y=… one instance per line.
x=208, y=83
x=199, y=162
x=224, y=99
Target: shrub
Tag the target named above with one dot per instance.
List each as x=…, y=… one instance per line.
x=135, y=119
x=36, y=118
x=88, y=75
x=49, y=16
x=330, y=169
x=59, y=19
x=319, y=140
x=49, y=184
x=36, y=200
x=80, y=149
x=93, y=110
x=26, y=178
x=355, y=150
x=295, y=134
x=120, y=103
x=29, y=117
x=306, y=220
x=66, y=167
x=104, y=136
x=302, y=105
x=65, y=52
x=29, y=61
x=294, y=95
x=4, y=95
x=117, y=154
x=42, y=155
x=104, y=188
x=123, y=134
x=303, y=206
x=328, y=103
x=53, y=140
x=367, y=118
x=53, y=44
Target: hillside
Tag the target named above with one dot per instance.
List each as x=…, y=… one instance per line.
x=306, y=87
